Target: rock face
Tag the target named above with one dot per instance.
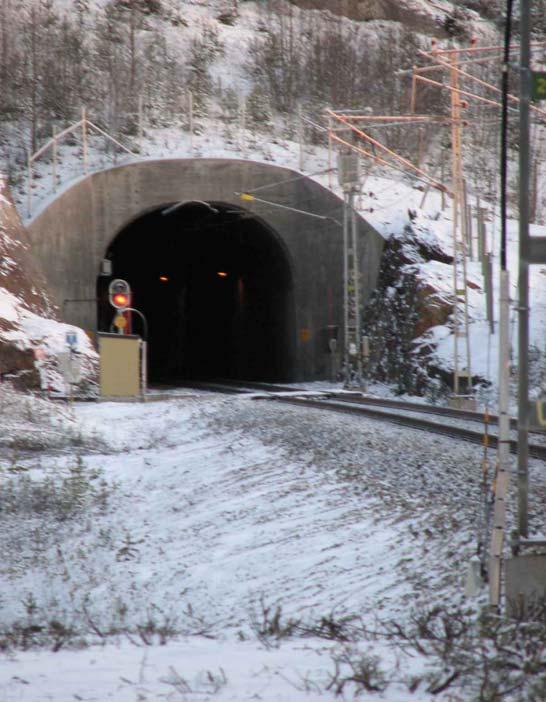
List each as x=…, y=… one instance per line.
x=31, y=337
x=438, y=18
x=18, y=272
x=403, y=309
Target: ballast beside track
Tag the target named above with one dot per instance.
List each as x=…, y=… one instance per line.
x=374, y=408
x=350, y=407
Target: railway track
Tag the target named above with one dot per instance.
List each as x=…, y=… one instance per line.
x=465, y=415
x=350, y=407
x=391, y=411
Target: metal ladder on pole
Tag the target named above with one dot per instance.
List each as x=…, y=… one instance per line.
x=461, y=371
x=349, y=178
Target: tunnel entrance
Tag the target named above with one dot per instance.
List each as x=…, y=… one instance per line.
x=215, y=285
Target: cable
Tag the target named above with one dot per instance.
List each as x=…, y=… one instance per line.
x=250, y=198
x=290, y=180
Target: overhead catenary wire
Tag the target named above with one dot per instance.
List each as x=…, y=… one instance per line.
x=324, y=171
x=247, y=197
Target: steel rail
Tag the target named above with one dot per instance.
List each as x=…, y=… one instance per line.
x=466, y=415
x=474, y=437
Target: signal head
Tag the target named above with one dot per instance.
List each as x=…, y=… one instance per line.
x=119, y=294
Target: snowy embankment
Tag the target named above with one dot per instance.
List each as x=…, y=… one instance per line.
x=253, y=540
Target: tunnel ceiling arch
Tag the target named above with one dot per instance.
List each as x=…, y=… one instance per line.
x=93, y=218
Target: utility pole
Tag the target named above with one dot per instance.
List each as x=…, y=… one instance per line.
x=525, y=572
x=523, y=304
x=503, y=450
x=460, y=327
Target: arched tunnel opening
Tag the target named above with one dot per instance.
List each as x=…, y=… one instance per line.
x=215, y=285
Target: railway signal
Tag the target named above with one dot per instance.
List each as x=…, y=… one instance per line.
x=119, y=294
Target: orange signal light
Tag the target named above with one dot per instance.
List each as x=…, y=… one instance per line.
x=222, y=274
x=121, y=300
x=164, y=278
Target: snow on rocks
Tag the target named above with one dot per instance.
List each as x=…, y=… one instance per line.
x=31, y=338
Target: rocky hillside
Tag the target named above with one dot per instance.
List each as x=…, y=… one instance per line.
x=438, y=18
x=31, y=337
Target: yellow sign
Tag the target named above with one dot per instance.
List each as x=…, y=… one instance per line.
x=120, y=322
x=247, y=197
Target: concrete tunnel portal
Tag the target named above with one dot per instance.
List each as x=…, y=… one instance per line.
x=273, y=314
x=215, y=285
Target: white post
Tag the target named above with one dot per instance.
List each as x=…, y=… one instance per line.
x=456, y=320
x=503, y=451
x=84, y=138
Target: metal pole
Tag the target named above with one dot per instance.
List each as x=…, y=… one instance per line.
x=356, y=284
x=345, y=290
x=455, y=134
x=523, y=309
x=503, y=450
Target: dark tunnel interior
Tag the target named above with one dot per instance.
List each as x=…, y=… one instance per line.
x=215, y=286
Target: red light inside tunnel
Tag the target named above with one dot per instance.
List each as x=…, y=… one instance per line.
x=164, y=278
x=222, y=274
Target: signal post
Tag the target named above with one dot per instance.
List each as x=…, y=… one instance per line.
x=123, y=355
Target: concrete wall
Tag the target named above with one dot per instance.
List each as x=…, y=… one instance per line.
x=71, y=235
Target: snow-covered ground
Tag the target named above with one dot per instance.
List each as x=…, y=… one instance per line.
x=156, y=551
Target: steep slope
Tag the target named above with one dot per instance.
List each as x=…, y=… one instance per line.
x=30, y=335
